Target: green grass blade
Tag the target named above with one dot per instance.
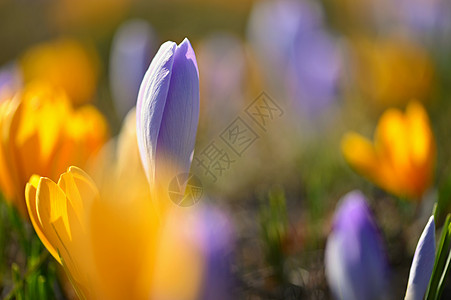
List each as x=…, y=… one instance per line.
x=440, y=261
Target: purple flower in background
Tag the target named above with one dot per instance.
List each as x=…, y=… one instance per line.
x=193, y=256
x=217, y=235
x=274, y=25
x=355, y=260
x=315, y=70
x=222, y=61
x=133, y=47
x=10, y=80
x=422, y=264
x=167, y=112
x=299, y=56
x=223, y=64
x=423, y=20
x=427, y=17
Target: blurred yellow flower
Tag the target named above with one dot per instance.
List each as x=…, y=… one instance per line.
x=41, y=133
x=392, y=71
x=111, y=242
x=401, y=160
x=108, y=234
x=64, y=63
x=103, y=248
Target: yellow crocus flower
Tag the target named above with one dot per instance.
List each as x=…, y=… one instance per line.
x=402, y=156
x=64, y=63
x=109, y=236
x=111, y=243
x=41, y=133
x=97, y=242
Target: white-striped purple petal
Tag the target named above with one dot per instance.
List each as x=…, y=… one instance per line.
x=422, y=264
x=355, y=260
x=168, y=111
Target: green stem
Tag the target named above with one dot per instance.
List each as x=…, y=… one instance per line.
x=42, y=258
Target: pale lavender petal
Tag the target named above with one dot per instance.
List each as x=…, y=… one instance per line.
x=151, y=104
x=355, y=260
x=178, y=129
x=132, y=49
x=422, y=264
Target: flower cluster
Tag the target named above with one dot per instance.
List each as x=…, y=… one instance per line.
x=132, y=168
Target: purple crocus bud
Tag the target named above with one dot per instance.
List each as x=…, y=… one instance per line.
x=133, y=47
x=355, y=260
x=422, y=264
x=167, y=112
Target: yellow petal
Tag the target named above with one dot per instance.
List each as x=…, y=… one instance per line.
x=52, y=215
x=363, y=157
x=127, y=224
x=45, y=110
x=7, y=171
x=421, y=139
x=40, y=133
x=179, y=267
x=85, y=132
x=80, y=190
x=360, y=153
x=391, y=139
x=30, y=197
x=18, y=178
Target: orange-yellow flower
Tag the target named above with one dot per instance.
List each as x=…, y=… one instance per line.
x=110, y=242
x=41, y=133
x=94, y=240
x=401, y=160
x=64, y=63
x=110, y=237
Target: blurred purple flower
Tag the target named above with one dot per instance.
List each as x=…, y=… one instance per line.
x=217, y=232
x=10, y=80
x=355, y=260
x=422, y=264
x=167, y=111
x=426, y=17
x=315, y=70
x=222, y=61
x=133, y=47
x=296, y=51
